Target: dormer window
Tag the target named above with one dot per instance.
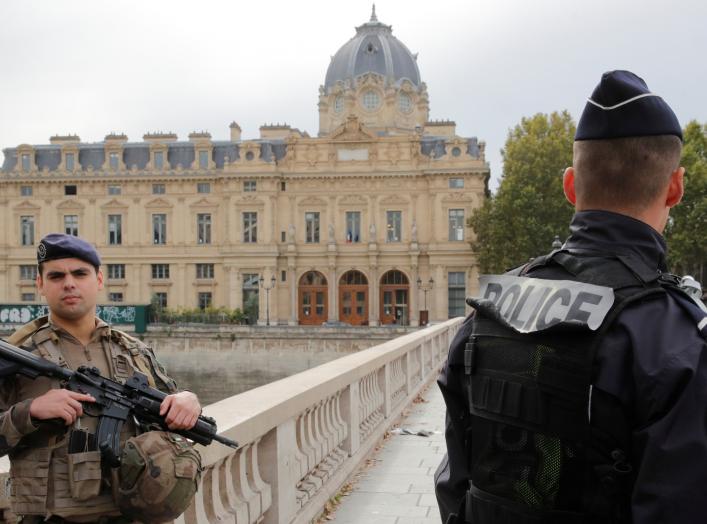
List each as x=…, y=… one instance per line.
x=404, y=103
x=113, y=161
x=159, y=159
x=203, y=159
x=25, y=162
x=339, y=104
x=371, y=100
x=69, y=161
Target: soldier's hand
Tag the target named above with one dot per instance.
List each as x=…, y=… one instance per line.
x=182, y=410
x=59, y=403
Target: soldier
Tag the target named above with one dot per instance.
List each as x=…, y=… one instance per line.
x=56, y=471
x=577, y=391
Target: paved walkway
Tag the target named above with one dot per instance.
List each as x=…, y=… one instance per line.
x=397, y=485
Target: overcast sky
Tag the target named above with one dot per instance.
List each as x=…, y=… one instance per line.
x=91, y=67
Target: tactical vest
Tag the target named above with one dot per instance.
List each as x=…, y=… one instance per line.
x=45, y=478
x=544, y=447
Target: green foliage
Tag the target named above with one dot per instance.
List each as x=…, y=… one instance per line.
x=221, y=315
x=687, y=227
x=521, y=220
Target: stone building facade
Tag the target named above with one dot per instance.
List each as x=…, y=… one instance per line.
x=364, y=223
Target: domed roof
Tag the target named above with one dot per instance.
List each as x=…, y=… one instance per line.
x=373, y=49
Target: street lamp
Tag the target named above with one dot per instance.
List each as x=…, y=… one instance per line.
x=425, y=288
x=267, y=295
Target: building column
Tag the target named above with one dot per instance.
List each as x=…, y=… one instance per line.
x=414, y=299
x=333, y=310
x=235, y=288
x=374, y=298
x=438, y=297
x=181, y=285
x=292, y=270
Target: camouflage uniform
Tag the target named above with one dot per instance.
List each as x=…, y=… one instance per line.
x=47, y=481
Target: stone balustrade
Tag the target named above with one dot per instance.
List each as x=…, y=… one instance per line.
x=303, y=436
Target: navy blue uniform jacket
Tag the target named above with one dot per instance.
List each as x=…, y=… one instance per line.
x=653, y=359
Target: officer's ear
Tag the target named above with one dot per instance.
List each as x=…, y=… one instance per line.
x=568, y=185
x=676, y=188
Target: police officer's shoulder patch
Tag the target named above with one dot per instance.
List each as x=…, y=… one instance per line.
x=534, y=304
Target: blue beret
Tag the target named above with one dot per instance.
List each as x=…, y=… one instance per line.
x=56, y=245
x=623, y=106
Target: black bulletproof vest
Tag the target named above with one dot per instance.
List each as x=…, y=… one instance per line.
x=540, y=451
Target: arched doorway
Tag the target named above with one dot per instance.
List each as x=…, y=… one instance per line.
x=312, y=299
x=353, y=298
x=395, y=298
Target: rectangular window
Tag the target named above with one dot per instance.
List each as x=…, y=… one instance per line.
x=159, y=299
x=27, y=231
x=250, y=227
x=311, y=223
x=204, y=271
x=204, y=300
x=203, y=187
x=115, y=230
x=116, y=271
x=69, y=161
x=28, y=272
x=393, y=226
x=160, y=271
x=113, y=161
x=353, y=226
x=158, y=189
x=70, y=190
x=203, y=228
x=159, y=228
x=456, y=183
x=250, y=296
x=283, y=236
x=283, y=186
x=249, y=186
x=114, y=190
x=456, y=224
x=71, y=225
x=283, y=276
x=456, y=293
x=25, y=190
x=28, y=297
x=25, y=163
x=115, y=297
x=203, y=159
x=159, y=159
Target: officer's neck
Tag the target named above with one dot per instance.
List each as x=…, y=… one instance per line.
x=81, y=329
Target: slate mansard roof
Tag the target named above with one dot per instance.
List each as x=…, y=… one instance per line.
x=138, y=155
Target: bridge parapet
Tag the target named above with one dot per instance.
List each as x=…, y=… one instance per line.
x=304, y=435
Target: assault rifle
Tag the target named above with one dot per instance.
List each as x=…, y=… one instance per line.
x=115, y=402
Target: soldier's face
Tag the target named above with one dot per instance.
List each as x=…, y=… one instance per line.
x=70, y=287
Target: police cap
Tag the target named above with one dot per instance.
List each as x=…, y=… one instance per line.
x=56, y=245
x=623, y=106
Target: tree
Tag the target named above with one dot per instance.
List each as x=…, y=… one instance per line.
x=687, y=227
x=521, y=220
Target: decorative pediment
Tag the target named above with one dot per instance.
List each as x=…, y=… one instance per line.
x=114, y=204
x=353, y=130
x=394, y=200
x=158, y=203
x=70, y=205
x=203, y=202
x=249, y=200
x=26, y=206
x=353, y=200
x=459, y=197
x=313, y=201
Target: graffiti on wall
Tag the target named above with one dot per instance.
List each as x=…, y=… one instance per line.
x=23, y=313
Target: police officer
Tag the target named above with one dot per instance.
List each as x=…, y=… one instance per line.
x=577, y=391
x=48, y=479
